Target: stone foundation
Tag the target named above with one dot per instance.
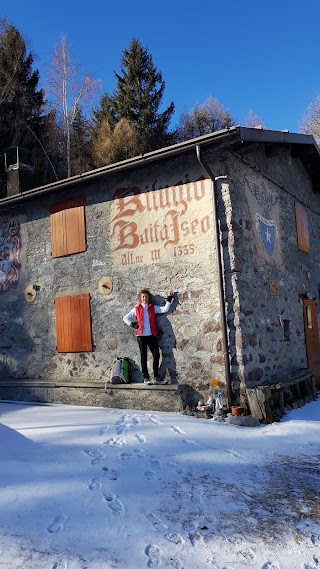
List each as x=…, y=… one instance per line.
x=95, y=394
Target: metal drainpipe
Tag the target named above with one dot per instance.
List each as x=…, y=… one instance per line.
x=220, y=277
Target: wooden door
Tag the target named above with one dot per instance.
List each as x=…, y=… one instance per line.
x=312, y=337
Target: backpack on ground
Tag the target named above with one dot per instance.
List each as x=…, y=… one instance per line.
x=121, y=371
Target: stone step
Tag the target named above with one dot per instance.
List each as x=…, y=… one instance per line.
x=98, y=394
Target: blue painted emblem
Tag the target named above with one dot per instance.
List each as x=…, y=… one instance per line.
x=268, y=230
x=268, y=227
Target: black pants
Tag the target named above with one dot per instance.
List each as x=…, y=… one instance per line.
x=144, y=343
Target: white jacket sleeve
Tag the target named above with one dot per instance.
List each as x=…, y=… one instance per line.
x=162, y=309
x=128, y=318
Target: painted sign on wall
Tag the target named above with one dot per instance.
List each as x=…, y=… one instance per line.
x=150, y=226
x=9, y=252
x=265, y=200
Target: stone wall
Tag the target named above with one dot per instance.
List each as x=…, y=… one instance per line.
x=150, y=227
x=259, y=188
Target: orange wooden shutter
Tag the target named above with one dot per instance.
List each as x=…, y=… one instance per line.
x=73, y=324
x=302, y=228
x=68, y=232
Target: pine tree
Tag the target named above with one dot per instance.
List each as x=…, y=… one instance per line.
x=21, y=102
x=137, y=98
x=103, y=113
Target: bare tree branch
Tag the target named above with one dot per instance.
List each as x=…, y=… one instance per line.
x=310, y=123
x=69, y=86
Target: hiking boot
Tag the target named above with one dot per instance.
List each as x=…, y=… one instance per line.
x=146, y=381
x=159, y=381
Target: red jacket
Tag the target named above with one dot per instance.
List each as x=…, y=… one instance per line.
x=152, y=318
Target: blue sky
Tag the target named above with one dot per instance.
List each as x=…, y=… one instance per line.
x=251, y=55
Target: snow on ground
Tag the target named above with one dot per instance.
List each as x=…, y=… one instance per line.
x=96, y=488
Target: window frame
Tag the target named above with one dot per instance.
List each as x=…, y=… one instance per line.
x=73, y=324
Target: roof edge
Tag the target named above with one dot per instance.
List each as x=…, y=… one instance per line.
x=124, y=165
x=281, y=136
x=233, y=133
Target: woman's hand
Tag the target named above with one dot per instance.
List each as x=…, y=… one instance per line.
x=170, y=296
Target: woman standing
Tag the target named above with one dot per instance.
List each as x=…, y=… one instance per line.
x=143, y=319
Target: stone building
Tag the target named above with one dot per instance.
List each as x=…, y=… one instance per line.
x=230, y=221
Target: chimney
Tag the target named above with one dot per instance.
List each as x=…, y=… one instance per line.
x=20, y=173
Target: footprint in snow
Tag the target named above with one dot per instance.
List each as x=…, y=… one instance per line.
x=121, y=429
x=95, y=484
x=196, y=538
x=195, y=494
x=93, y=452
x=110, y=473
x=177, y=430
x=115, y=442
x=154, y=462
x=126, y=422
x=96, y=454
x=136, y=420
x=59, y=565
x=156, y=523
x=271, y=565
x=173, y=537
x=172, y=464
x=57, y=525
x=247, y=553
x=190, y=442
x=154, y=419
x=153, y=552
x=140, y=437
x=150, y=475
x=125, y=455
x=114, y=504
x=311, y=566
x=139, y=452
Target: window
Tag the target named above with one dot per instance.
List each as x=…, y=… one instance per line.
x=73, y=324
x=286, y=330
x=302, y=228
x=68, y=233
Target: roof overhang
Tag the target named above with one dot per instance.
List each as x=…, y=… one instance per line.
x=301, y=145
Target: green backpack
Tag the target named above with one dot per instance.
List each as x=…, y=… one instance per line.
x=121, y=371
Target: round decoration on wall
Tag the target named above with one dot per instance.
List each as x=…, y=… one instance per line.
x=105, y=285
x=29, y=293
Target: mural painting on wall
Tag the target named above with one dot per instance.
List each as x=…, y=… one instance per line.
x=9, y=252
x=152, y=224
x=266, y=226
